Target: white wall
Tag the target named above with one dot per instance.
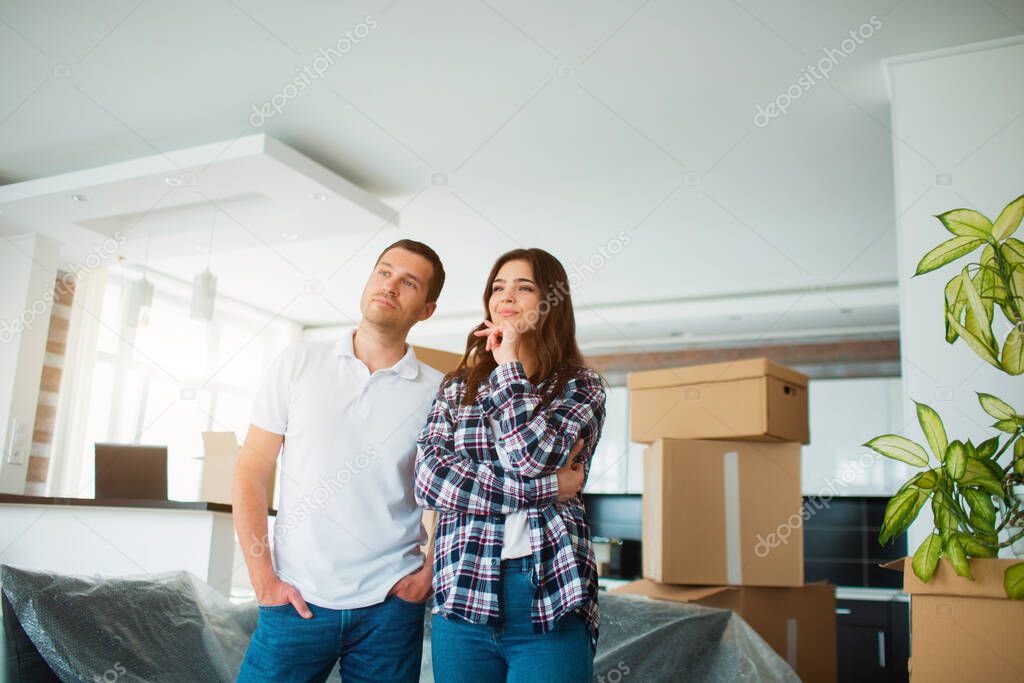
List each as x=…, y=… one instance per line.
x=28, y=271
x=958, y=113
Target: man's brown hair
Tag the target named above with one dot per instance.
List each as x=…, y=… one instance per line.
x=437, y=281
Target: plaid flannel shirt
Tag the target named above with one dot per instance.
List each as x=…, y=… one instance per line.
x=459, y=474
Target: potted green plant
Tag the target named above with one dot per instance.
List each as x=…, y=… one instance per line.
x=974, y=489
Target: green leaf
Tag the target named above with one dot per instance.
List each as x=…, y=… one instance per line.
x=900, y=511
x=975, y=548
x=1008, y=426
x=967, y=223
x=994, y=468
x=1018, y=456
x=996, y=407
x=1013, y=352
x=978, y=327
x=983, y=510
x=945, y=518
x=1009, y=219
x=987, y=448
x=957, y=556
x=927, y=479
x=979, y=474
x=1013, y=581
x=990, y=538
x=956, y=302
x=989, y=283
x=1013, y=251
x=956, y=460
x=947, y=252
x=934, y=431
x=977, y=308
x=972, y=452
x=1016, y=288
x=926, y=558
x=978, y=346
x=899, y=448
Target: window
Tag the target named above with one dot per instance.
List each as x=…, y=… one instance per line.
x=172, y=378
x=618, y=463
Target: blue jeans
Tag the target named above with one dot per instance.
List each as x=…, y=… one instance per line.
x=463, y=652
x=382, y=642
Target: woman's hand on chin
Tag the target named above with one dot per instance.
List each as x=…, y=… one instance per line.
x=502, y=341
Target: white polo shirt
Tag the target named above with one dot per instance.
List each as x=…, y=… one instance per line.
x=347, y=527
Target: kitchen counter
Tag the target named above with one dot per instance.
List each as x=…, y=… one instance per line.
x=115, y=537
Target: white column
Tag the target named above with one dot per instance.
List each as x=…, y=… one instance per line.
x=958, y=142
x=28, y=272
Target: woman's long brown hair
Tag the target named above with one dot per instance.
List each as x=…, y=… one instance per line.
x=554, y=333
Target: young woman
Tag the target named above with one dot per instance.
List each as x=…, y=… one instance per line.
x=502, y=458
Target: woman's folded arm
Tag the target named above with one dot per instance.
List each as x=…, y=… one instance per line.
x=448, y=481
x=536, y=440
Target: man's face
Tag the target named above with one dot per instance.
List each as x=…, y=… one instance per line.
x=395, y=296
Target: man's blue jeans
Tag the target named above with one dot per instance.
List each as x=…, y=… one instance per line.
x=463, y=652
x=382, y=642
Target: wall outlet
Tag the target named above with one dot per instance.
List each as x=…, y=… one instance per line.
x=17, y=444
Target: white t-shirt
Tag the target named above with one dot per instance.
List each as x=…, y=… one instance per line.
x=347, y=527
x=517, y=524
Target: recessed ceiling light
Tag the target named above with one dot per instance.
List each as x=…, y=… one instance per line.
x=290, y=236
x=79, y=197
x=318, y=196
x=203, y=247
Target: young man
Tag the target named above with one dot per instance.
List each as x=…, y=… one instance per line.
x=346, y=579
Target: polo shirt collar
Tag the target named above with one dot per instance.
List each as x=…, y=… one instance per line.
x=406, y=368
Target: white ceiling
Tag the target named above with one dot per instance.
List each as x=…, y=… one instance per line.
x=489, y=125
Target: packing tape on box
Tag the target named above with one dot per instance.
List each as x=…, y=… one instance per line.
x=791, y=642
x=733, y=552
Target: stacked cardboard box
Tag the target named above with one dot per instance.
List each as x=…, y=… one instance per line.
x=220, y=452
x=723, y=512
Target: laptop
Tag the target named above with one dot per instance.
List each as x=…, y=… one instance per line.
x=131, y=472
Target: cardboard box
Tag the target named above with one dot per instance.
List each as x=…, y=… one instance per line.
x=442, y=361
x=753, y=399
x=220, y=451
x=723, y=513
x=798, y=623
x=963, y=630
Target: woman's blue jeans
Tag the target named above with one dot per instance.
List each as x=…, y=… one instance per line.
x=463, y=652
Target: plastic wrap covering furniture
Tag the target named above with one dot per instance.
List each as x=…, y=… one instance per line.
x=174, y=627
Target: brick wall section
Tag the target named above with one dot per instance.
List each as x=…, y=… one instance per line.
x=49, y=385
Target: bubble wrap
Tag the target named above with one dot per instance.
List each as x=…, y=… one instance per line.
x=173, y=627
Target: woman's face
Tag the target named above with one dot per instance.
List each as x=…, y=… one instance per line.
x=515, y=296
